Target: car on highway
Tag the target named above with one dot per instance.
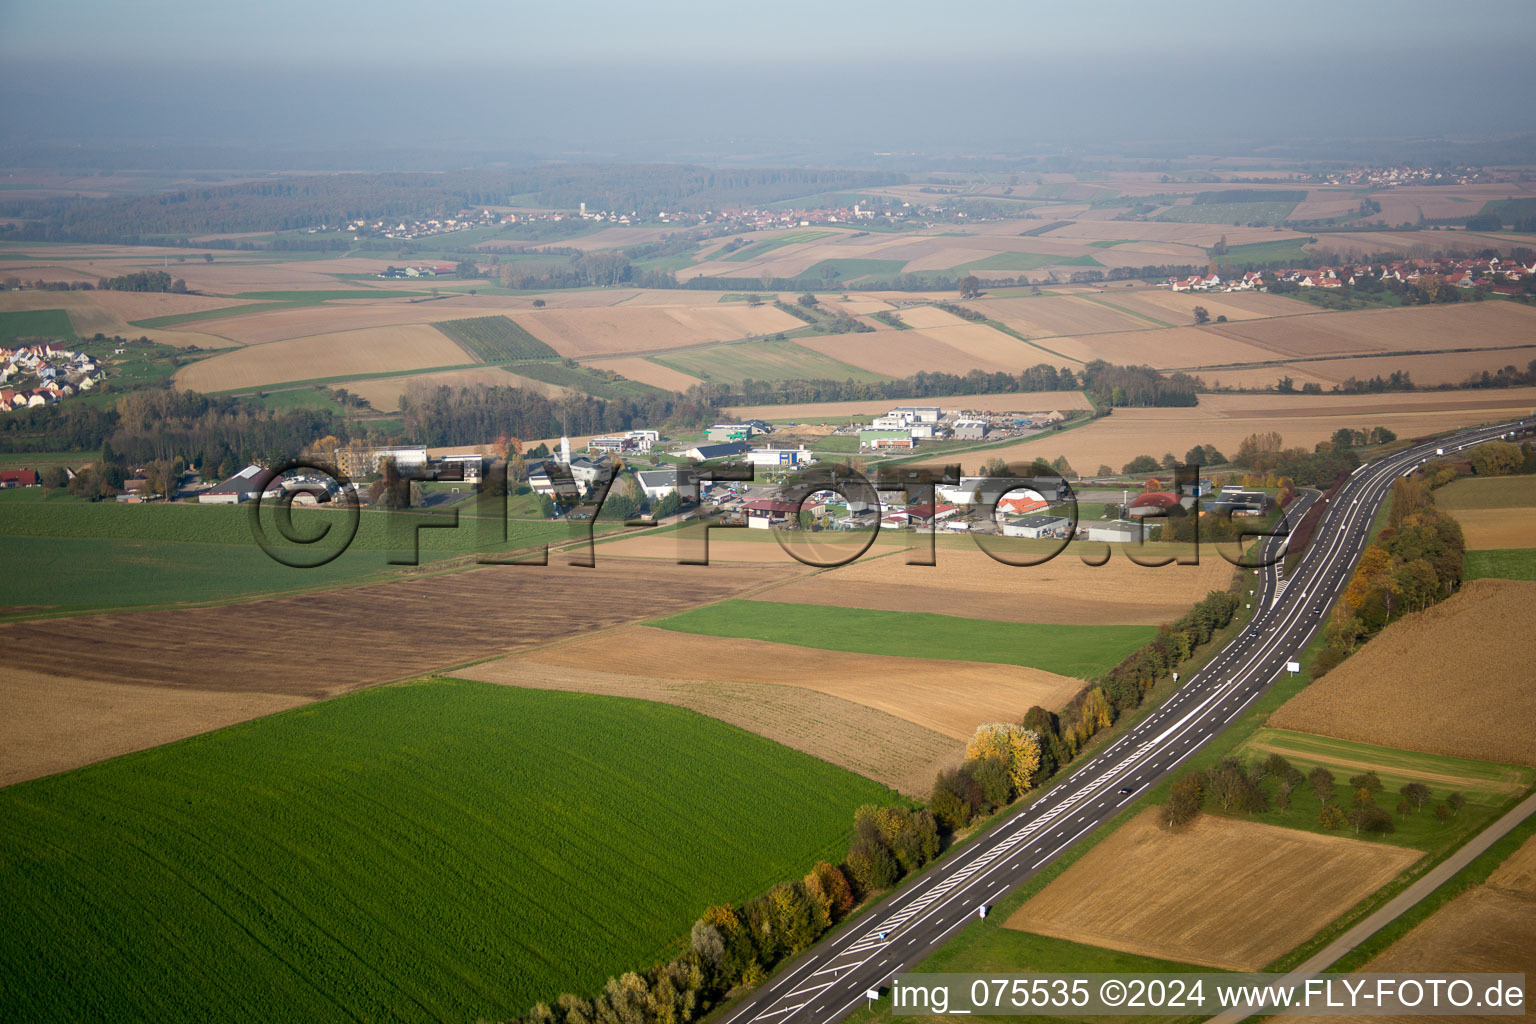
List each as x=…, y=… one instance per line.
x=1127, y=789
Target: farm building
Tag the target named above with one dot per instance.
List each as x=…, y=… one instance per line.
x=767, y=512
x=789, y=458
x=1037, y=526
x=243, y=486
x=19, y=478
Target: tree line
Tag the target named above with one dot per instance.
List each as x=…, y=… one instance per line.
x=442, y=415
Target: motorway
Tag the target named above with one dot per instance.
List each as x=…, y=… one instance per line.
x=832, y=979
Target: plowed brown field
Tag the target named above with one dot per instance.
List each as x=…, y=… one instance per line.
x=903, y=353
x=380, y=350
x=1462, y=325
x=970, y=583
x=1224, y=893
x=609, y=330
x=1431, y=681
x=323, y=644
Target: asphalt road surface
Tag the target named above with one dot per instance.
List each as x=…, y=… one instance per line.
x=830, y=980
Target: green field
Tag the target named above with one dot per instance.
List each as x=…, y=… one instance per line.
x=1488, y=492
x=496, y=339
x=1027, y=261
x=586, y=379
x=1228, y=213
x=1488, y=787
x=850, y=270
x=301, y=398
x=737, y=361
x=437, y=851
x=262, y=301
x=1501, y=563
x=35, y=323
x=1283, y=252
x=1084, y=651
x=66, y=554
x=767, y=245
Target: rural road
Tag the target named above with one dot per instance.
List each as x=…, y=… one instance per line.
x=1399, y=904
x=829, y=981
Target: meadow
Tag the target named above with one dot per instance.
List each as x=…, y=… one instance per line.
x=66, y=554
x=438, y=851
x=495, y=339
x=35, y=323
x=1503, y=564
x=1069, y=650
x=1487, y=787
x=761, y=360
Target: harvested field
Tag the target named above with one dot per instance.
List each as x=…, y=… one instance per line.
x=387, y=631
x=610, y=330
x=872, y=743
x=971, y=583
x=985, y=346
x=145, y=305
x=1490, y=928
x=1390, y=330
x=1164, y=348
x=1049, y=316
x=1179, y=307
x=348, y=353
x=1225, y=419
x=55, y=723
x=1430, y=370
x=830, y=412
x=1224, y=893
x=1429, y=680
x=383, y=393
x=903, y=353
x=947, y=697
x=1488, y=529
x=931, y=316
x=269, y=325
x=647, y=372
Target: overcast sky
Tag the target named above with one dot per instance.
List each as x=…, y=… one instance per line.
x=607, y=76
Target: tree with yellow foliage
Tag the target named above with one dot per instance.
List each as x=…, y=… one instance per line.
x=1013, y=745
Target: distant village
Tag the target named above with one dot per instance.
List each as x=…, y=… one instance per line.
x=1389, y=177
x=1502, y=277
x=42, y=374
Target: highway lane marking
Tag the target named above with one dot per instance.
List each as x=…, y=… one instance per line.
x=1227, y=688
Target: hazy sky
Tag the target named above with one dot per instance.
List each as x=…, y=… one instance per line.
x=610, y=77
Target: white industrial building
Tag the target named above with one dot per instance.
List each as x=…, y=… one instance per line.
x=1037, y=526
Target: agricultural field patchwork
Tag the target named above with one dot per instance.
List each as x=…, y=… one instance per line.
x=1082, y=651
x=1223, y=893
x=357, y=810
